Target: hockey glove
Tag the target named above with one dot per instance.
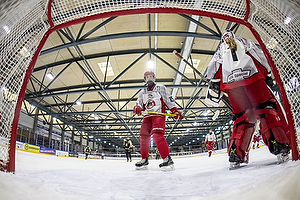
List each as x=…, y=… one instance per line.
x=214, y=85
x=137, y=110
x=179, y=115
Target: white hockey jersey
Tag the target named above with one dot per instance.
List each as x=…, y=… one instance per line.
x=243, y=67
x=156, y=100
x=210, y=137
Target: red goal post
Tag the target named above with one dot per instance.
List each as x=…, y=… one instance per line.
x=26, y=25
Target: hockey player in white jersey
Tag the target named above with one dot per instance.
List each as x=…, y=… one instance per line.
x=154, y=98
x=241, y=68
x=256, y=139
x=210, y=141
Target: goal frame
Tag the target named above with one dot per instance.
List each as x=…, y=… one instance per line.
x=10, y=167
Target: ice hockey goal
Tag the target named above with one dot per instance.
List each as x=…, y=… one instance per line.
x=26, y=24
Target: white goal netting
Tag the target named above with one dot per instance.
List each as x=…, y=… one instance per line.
x=25, y=23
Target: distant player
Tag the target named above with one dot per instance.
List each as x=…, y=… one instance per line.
x=210, y=141
x=256, y=139
x=87, y=151
x=242, y=69
x=128, y=147
x=154, y=98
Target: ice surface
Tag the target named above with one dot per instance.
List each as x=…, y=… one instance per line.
x=46, y=177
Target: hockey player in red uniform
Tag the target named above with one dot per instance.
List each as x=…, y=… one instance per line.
x=242, y=69
x=210, y=141
x=154, y=98
x=256, y=138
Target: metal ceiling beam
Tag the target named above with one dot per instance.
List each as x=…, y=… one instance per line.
x=117, y=53
x=120, y=111
x=126, y=69
x=216, y=26
x=96, y=28
x=51, y=94
x=84, y=86
x=103, y=93
x=179, y=130
x=101, y=124
x=173, y=68
x=113, y=100
x=137, y=120
x=128, y=35
x=196, y=21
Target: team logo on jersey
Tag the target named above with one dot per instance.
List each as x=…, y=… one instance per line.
x=238, y=75
x=150, y=96
x=150, y=104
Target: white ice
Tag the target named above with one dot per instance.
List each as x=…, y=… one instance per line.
x=43, y=177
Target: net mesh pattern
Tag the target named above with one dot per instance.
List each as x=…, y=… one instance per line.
x=18, y=43
x=283, y=42
x=24, y=23
x=63, y=11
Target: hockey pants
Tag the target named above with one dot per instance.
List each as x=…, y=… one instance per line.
x=153, y=126
x=210, y=146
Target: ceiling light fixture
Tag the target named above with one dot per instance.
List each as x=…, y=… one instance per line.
x=106, y=68
x=7, y=30
x=287, y=20
x=150, y=64
x=50, y=75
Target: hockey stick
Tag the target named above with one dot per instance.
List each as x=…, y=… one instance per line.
x=216, y=115
x=166, y=114
x=189, y=64
x=224, y=98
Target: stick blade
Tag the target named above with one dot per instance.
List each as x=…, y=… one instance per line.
x=216, y=115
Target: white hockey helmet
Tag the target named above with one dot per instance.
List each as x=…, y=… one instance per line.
x=227, y=34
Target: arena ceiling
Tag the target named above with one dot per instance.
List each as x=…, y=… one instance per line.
x=98, y=67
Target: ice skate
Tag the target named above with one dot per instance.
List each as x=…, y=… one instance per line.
x=278, y=148
x=234, y=160
x=283, y=157
x=142, y=164
x=167, y=164
x=234, y=165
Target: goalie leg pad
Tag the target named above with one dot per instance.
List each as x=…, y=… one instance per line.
x=241, y=138
x=272, y=131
